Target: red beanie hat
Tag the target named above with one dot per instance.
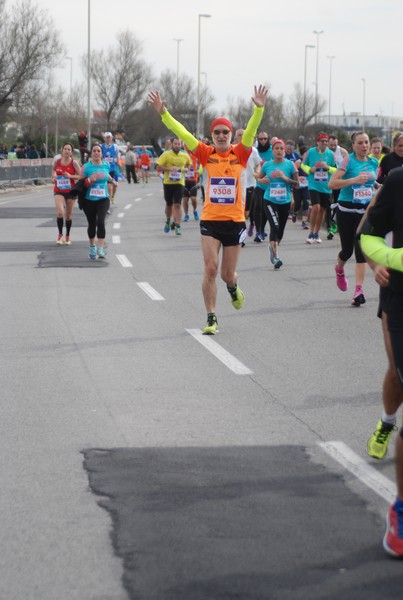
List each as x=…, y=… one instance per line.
x=220, y=121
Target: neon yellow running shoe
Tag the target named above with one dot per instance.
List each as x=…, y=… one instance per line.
x=212, y=326
x=377, y=445
x=237, y=298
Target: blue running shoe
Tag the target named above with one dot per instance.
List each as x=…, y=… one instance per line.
x=93, y=253
x=186, y=218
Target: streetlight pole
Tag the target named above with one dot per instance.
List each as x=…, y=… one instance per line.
x=178, y=41
x=363, y=104
x=204, y=92
x=304, y=106
x=71, y=78
x=198, y=78
x=317, y=33
x=88, y=76
x=330, y=85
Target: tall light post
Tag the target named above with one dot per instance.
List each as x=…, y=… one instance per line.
x=363, y=104
x=317, y=33
x=71, y=77
x=204, y=92
x=198, y=78
x=330, y=84
x=304, y=106
x=88, y=76
x=178, y=41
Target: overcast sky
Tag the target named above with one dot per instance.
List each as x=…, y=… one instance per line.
x=246, y=42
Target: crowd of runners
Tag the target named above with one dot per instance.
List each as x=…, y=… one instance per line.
x=247, y=184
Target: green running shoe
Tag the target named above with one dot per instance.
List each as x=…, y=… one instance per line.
x=167, y=226
x=212, y=326
x=377, y=445
x=237, y=298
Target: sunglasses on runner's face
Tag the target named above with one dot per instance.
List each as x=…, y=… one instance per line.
x=223, y=131
x=262, y=139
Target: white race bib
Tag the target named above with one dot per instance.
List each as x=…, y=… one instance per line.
x=175, y=175
x=98, y=191
x=190, y=174
x=63, y=183
x=320, y=175
x=362, y=193
x=222, y=190
x=278, y=192
x=303, y=181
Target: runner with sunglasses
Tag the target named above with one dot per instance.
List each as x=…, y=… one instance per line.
x=223, y=217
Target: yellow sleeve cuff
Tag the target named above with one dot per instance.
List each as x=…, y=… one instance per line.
x=377, y=250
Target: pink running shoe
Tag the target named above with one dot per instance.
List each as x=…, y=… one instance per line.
x=393, y=539
x=341, y=280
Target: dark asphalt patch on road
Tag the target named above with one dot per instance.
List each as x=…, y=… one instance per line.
x=64, y=257
x=245, y=523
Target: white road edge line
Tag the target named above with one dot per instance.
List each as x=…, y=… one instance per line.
x=121, y=215
x=150, y=291
x=116, y=239
x=128, y=206
x=116, y=226
x=381, y=485
x=124, y=261
x=219, y=352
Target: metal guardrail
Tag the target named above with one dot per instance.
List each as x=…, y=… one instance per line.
x=25, y=171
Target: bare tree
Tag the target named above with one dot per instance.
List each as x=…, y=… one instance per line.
x=274, y=119
x=181, y=98
x=238, y=111
x=120, y=77
x=302, y=111
x=29, y=46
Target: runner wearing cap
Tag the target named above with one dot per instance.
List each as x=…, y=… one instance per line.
x=110, y=154
x=318, y=163
x=223, y=217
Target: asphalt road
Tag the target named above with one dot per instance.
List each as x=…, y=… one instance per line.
x=142, y=460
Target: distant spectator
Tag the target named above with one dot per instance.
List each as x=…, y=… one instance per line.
x=21, y=151
x=11, y=154
x=3, y=151
x=33, y=152
x=130, y=164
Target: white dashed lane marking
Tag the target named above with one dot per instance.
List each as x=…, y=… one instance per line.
x=150, y=291
x=116, y=226
x=121, y=215
x=219, y=352
x=380, y=484
x=124, y=261
x=116, y=239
